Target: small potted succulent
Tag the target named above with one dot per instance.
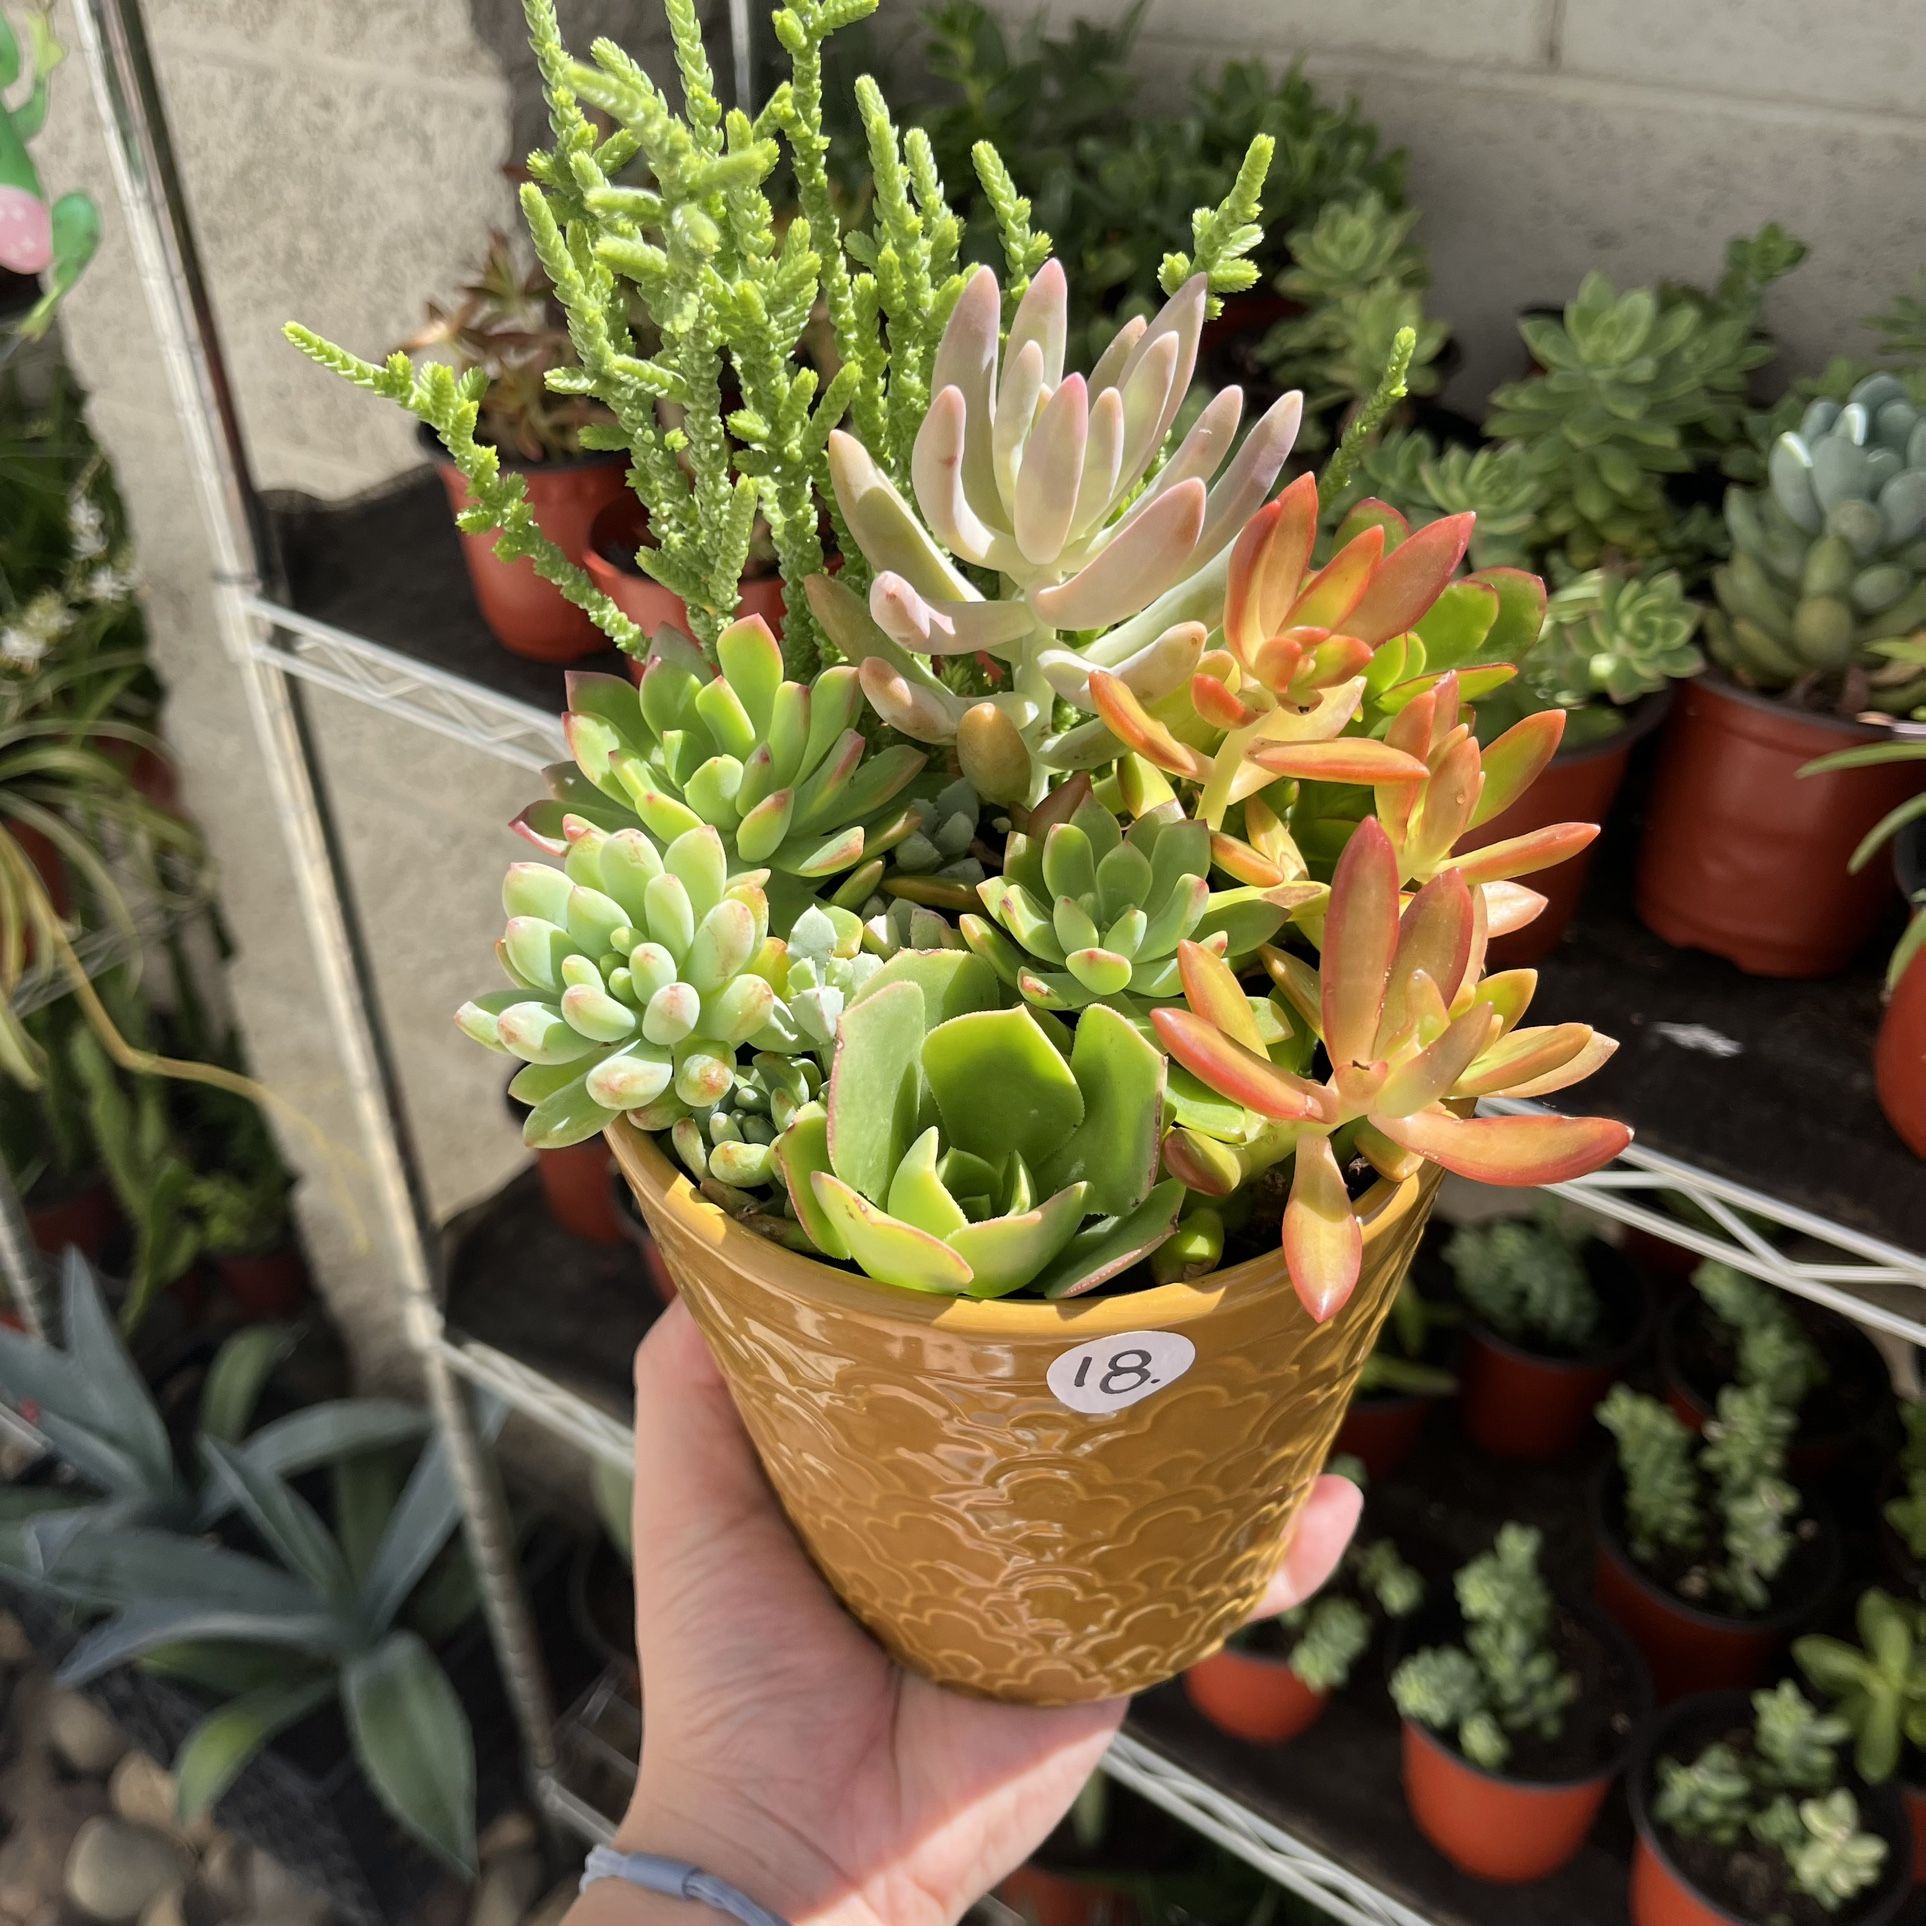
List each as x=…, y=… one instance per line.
x=1902, y=1510
x=1745, y=1812
x=1556, y=1314
x=613, y=560
x=1814, y=1363
x=1273, y=1679
x=1517, y=1723
x=1407, y=1372
x=903, y=1118
x=1899, y=1054
x=1706, y=1555
x=504, y=335
x=1817, y=607
x=1615, y=641
x=576, y=1184
x=45, y=243
x=1878, y=1687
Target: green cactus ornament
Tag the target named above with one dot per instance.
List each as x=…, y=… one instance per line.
x=37, y=236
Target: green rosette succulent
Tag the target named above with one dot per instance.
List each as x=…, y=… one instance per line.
x=638, y=975
x=1087, y=912
x=1425, y=483
x=774, y=766
x=1614, y=636
x=962, y=1151
x=1827, y=581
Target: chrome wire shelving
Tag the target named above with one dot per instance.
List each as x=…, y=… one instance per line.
x=367, y=602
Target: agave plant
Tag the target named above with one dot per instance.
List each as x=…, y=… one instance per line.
x=1057, y=483
x=961, y=1152
x=349, y=1612
x=1413, y=1034
x=91, y=1406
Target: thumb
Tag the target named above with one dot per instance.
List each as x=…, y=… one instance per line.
x=1324, y=1529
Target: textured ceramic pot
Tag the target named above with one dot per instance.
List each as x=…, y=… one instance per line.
x=1039, y=1502
x=1745, y=857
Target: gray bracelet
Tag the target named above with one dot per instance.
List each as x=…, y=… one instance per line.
x=677, y=1879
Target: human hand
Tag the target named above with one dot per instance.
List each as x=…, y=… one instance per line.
x=783, y=1750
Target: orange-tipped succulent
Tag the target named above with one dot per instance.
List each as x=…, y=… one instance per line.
x=1407, y=1032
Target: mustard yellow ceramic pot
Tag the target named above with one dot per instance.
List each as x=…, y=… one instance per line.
x=1040, y=1502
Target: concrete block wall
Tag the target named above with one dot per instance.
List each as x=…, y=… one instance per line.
x=343, y=160
x=1636, y=136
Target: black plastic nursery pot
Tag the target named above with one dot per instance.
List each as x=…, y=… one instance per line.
x=1691, y=1647
x=1695, y=1363
x=1677, y=1882
x=1508, y=1827
x=302, y=1799
x=1518, y=1402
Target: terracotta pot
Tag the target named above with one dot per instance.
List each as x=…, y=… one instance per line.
x=1664, y=1894
x=629, y=1216
x=525, y=614
x=621, y=528
x=1253, y=1696
x=83, y=1218
x=1914, y=1798
x=268, y=1283
x=1744, y=858
x=1519, y=1403
x=1046, y=1898
x=1812, y=1453
x=1578, y=787
x=1381, y=1428
x=576, y=1188
x=1506, y=1830
x=1899, y=1057
x=991, y=1535
x=1658, y=1256
x=1692, y=1648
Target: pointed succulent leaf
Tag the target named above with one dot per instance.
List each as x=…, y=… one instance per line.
x=1099, y=1251
x=916, y=1192
x=1509, y=1150
x=891, y=1251
x=1233, y=1071
x=1360, y=940
x=1323, y=1244
x=874, y=1087
x=1006, y=1253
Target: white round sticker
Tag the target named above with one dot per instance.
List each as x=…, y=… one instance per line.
x=1108, y=1373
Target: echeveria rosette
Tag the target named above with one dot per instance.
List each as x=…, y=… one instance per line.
x=1085, y=911
x=963, y=1151
x=1410, y=1035
x=638, y=973
x=1108, y=554
x=774, y=766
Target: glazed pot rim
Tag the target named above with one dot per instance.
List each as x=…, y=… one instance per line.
x=1880, y=1804
x=1162, y=1307
x=1608, y=1632
x=1823, y=719
x=1610, y=1540
x=1626, y=1348
x=517, y=465
x=1639, y=717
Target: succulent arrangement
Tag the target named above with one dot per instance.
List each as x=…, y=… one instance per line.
x=1506, y=1678
x=508, y=331
x=1324, y=1638
x=1633, y=389
x=1716, y=1518
x=38, y=236
x=1080, y=873
x=1770, y=1347
x=1827, y=580
x=1527, y=1280
x=1359, y=279
x=1775, y=1789
x=1877, y=1687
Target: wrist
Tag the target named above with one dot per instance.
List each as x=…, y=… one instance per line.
x=725, y=1836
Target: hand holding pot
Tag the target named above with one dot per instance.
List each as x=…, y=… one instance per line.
x=785, y=1752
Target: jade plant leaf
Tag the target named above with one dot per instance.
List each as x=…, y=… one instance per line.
x=1005, y=1253
x=872, y=1111
x=1001, y=1085
x=888, y=1249
x=953, y=982
x=1112, y=1244
x=1114, y=1150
